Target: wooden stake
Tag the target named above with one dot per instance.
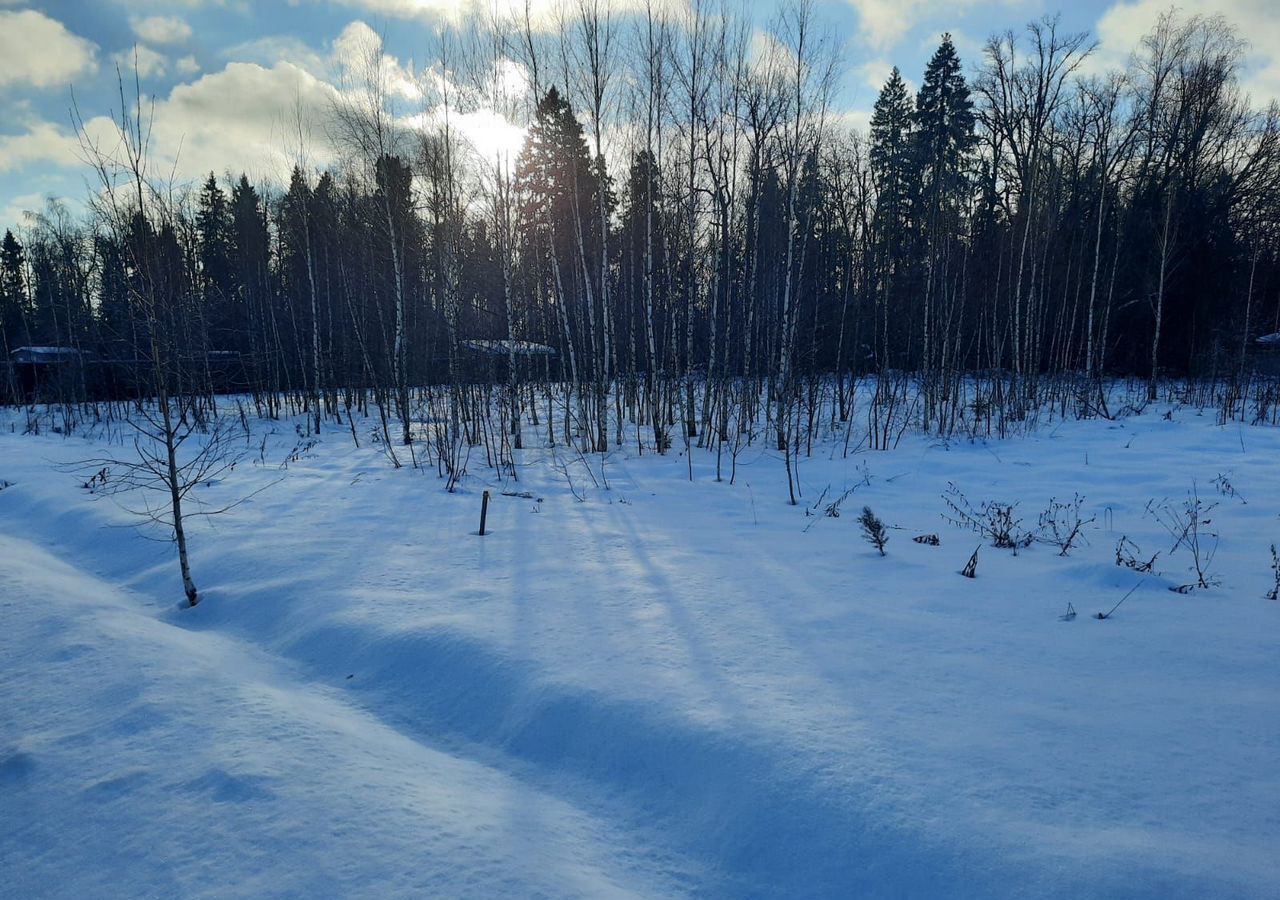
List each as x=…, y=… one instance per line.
x=484, y=511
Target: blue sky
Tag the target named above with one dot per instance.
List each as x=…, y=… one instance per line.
x=224, y=73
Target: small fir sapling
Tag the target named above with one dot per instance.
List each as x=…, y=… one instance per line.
x=1274, y=593
x=970, y=569
x=873, y=530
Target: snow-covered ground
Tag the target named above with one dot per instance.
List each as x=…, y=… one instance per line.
x=664, y=688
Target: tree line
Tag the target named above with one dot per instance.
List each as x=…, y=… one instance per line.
x=693, y=229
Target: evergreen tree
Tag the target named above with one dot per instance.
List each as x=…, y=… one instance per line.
x=115, y=317
x=554, y=174
x=892, y=159
x=943, y=122
x=642, y=258
x=557, y=185
x=296, y=257
x=213, y=229
x=944, y=140
x=896, y=174
x=13, y=310
x=250, y=316
x=14, y=304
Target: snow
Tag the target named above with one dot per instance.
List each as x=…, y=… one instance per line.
x=48, y=351
x=669, y=688
x=523, y=348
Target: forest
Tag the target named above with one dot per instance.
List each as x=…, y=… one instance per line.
x=689, y=234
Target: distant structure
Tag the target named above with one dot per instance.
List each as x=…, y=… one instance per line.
x=40, y=373
x=60, y=374
x=491, y=359
x=1266, y=354
x=506, y=348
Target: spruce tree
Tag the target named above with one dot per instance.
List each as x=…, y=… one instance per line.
x=13, y=312
x=554, y=172
x=13, y=293
x=943, y=141
x=557, y=184
x=250, y=252
x=892, y=159
x=217, y=280
x=943, y=124
x=894, y=169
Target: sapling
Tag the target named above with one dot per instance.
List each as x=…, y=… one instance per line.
x=970, y=569
x=1062, y=526
x=1187, y=523
x=155, y=469
x=873, y=530
x=997, y=522
x=1274, y=593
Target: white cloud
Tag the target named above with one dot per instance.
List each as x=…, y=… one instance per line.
x=161, y=29
x=874, y=74
x=43, y=143
x=149, y=62
x=858, y=120
x=239, y=5
x=240, y=118
x=489, y=133
x=187, y=65
x=968, y=48
x=237, y=118
x=542, y=13
x=40, y=51
x=356, y=43
x=1124, y=24
x=272, y=49
x=882, y=23
x=15, y=211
